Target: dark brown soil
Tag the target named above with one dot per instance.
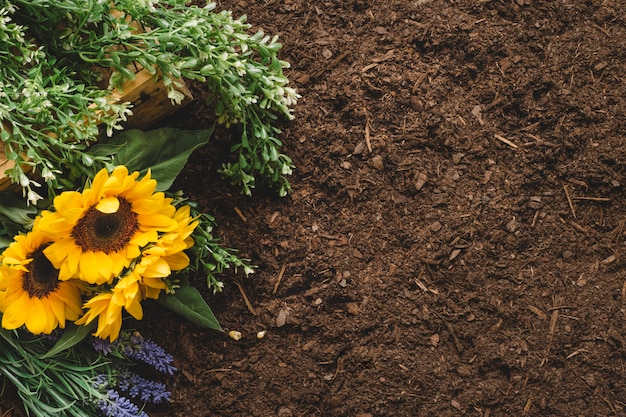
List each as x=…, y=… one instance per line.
x=453, y=242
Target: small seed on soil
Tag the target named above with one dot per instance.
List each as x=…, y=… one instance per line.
x=353, y=308
x=435, y=227
x=285, y=412
x=281, y=319
x=454, y=254
x=235, y=335
x=359, y=148
x=416, y=104
x=455, y=404
x=511, y=225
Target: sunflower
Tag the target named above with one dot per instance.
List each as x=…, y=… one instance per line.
x=103, y=229
x=108, y=313
x=146, y=279
x=31, y=293
x=107, y=306
x=171, y=245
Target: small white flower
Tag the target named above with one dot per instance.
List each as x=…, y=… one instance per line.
x=33, y=197
x=176, y=96
x=48, y=175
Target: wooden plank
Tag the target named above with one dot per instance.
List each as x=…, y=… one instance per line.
x=150, y=101
x=4, y=165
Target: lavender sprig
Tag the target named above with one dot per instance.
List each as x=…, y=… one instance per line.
x=147, y=351
x=136, y=347
x=136, y=386
x=114, y=405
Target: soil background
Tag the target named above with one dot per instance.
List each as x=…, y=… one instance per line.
x=454, y=241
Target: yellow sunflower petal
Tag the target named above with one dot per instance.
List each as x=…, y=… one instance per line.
x=95, y=267
x=134, y=308
x=38, y=321
x=109, y=321
x=69, y=295
x=177, y=261
x=151, y=291
x=157, y=221
x=143, y=238
x=95, y=306
x=69, y=205
x=16, y=314
x=157, y=268
x=108, y=205
x=148, y=205
x=59, y=251
x=57, y=309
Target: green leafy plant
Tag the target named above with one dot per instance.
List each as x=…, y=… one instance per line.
x=66, y=48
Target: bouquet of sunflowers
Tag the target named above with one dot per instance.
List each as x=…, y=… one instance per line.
x=78, y=268
x=115, y=243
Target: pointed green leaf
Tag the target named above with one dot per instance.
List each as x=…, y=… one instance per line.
x=165, y=151
x=16, y=209
x=188, y=303
x=71, y=337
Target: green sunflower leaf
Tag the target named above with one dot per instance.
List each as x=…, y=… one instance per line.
x=165, y=151
x=71, y=337
x=16, y=209
x=188, y=303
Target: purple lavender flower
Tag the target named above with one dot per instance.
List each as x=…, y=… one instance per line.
x=114, y=405
x=102, y=346
x=145, y=350
x=147, y=390
x=134, y=346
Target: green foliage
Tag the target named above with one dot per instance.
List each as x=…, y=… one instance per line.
x=16, y=216
x=164, y=151
x=54, y=385
x=71, y=337
x=187, y=302
x=55, y=103
x=208, y=257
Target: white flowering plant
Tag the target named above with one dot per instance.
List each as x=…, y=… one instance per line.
x=67, y=56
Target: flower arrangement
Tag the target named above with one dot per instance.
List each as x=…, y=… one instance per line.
x=80, y=257
x=80, y=268
x=117, y=241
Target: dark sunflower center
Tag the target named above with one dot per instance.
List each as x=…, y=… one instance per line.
x=42, y=278
x=106, y=232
